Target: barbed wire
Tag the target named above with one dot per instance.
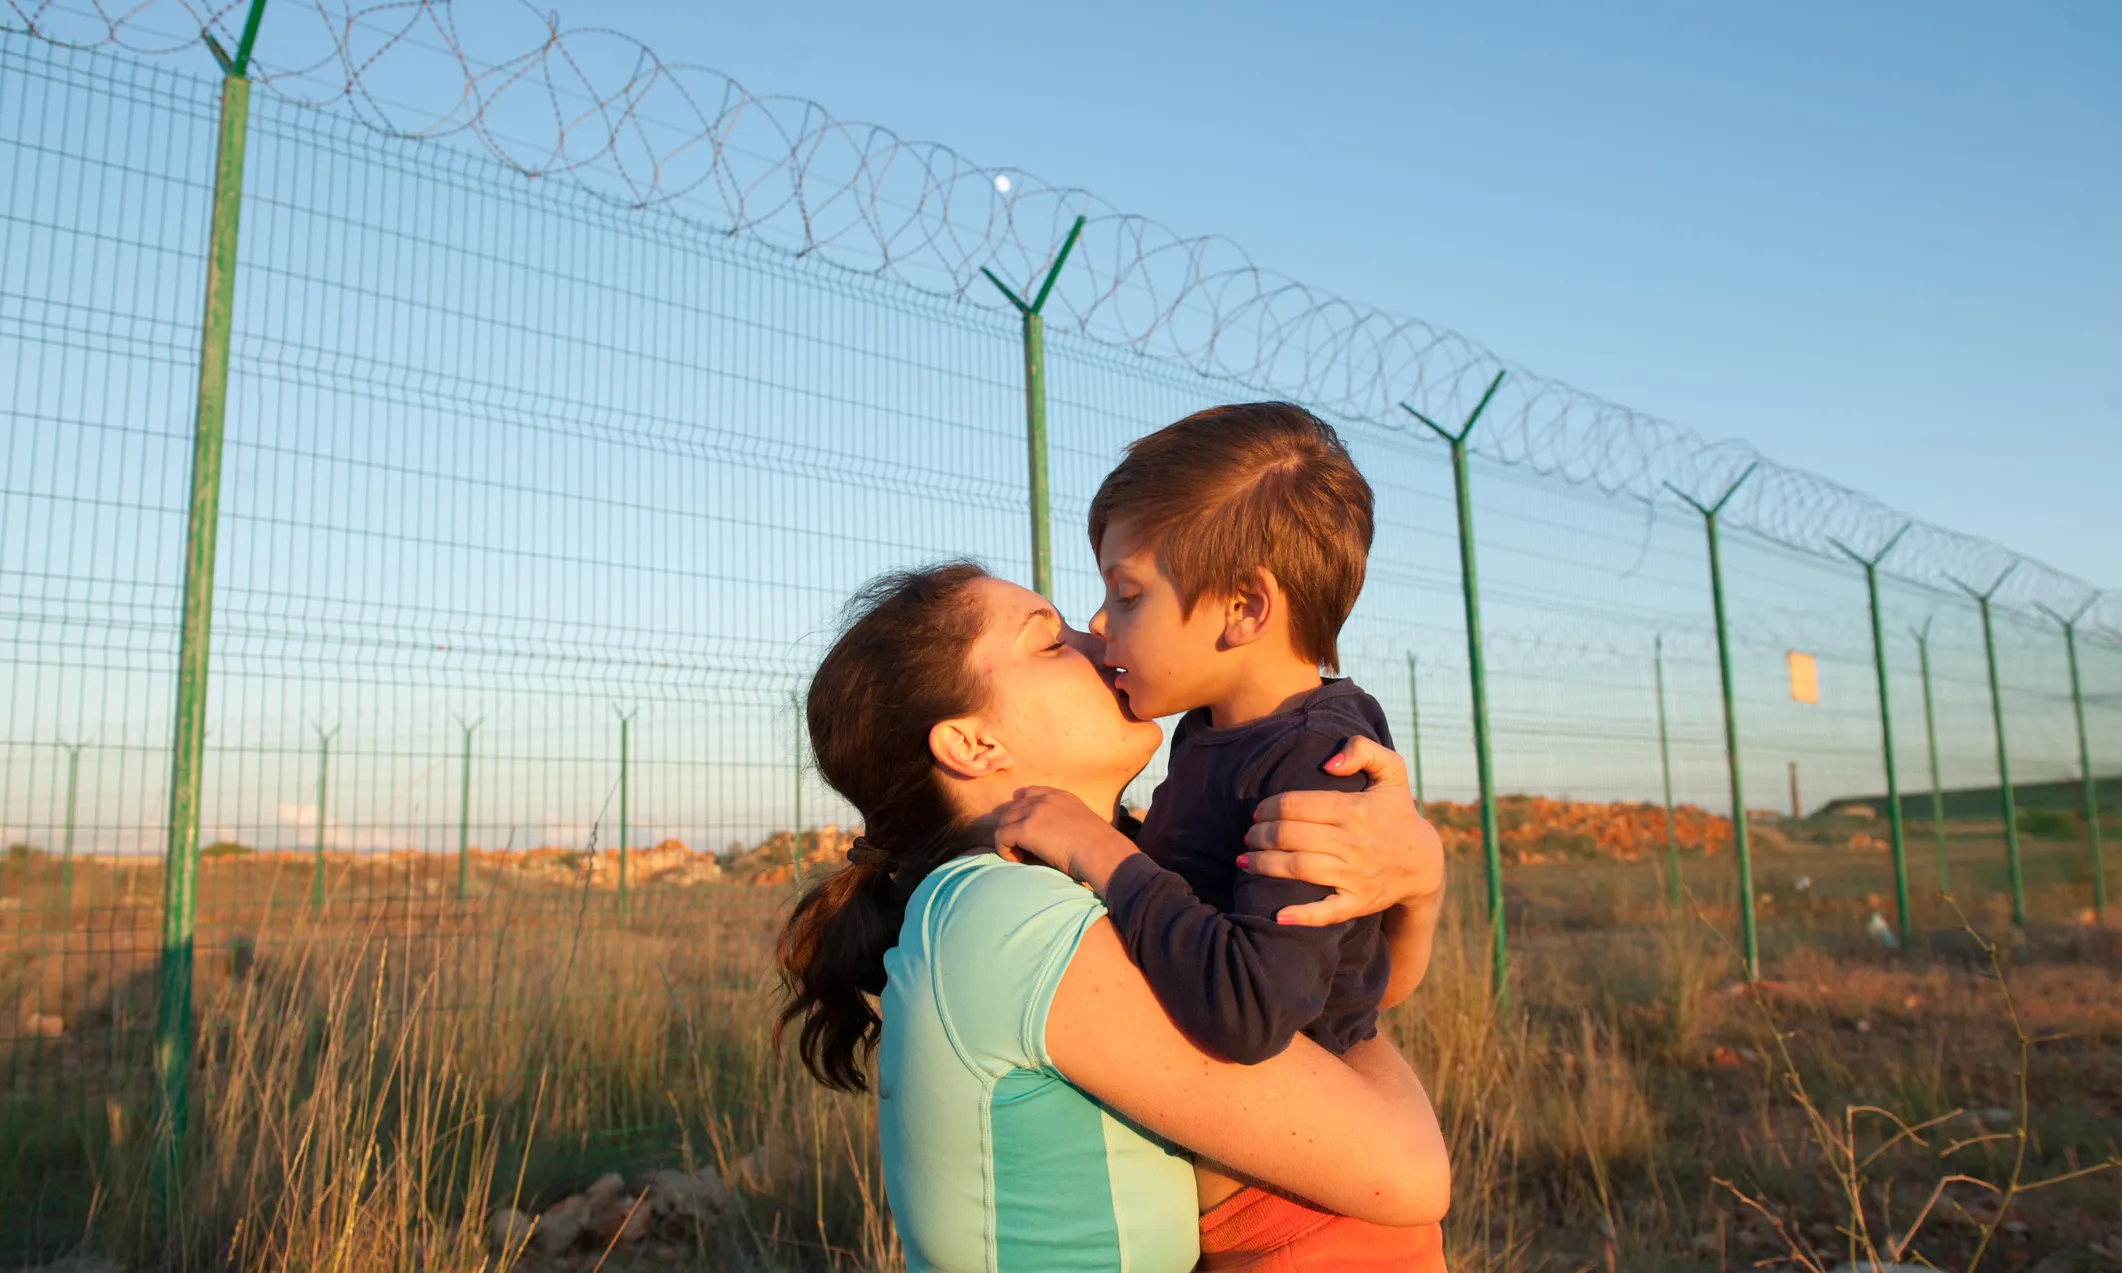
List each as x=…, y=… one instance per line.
x=601, y=109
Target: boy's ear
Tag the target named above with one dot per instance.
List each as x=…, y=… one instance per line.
x=1251, y=608
x=965, y=750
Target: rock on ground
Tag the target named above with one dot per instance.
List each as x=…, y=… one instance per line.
x=623, y=1219
x=694, y=1194
x=507, y=1228
x=562, y=1224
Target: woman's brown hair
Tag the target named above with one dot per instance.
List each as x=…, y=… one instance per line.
x=898, y=668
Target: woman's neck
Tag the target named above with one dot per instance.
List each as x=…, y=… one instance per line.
x=993, y=791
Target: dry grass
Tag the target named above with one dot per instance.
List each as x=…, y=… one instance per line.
x=1594, y=1120
x=375, y=1079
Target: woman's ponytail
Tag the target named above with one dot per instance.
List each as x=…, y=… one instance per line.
x=898, y=668
x=832, y=960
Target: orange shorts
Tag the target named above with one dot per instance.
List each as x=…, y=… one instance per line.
x=1260, y=1232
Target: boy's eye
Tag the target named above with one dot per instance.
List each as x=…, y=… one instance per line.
x=1128, y=603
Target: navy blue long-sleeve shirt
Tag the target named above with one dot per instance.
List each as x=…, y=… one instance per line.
x=1203, y=932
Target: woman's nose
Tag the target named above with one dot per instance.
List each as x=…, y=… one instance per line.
x=1090, y=645
x=1097, y=625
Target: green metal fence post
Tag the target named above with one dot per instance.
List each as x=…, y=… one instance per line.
x=464, y=812
x=1035, y=410
x=626, y=721
x=1414, y=725
x=324, y=769
x=1477, y=677
x=1665, y=769
x=1741, y=847
x=1930, y=737
x=1886, y=721
x=2085, y=755
x=66, y=853
x=1996, y=708
x=180, y=881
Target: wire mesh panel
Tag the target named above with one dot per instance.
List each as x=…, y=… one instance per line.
x=107, y=167
x=535, y=516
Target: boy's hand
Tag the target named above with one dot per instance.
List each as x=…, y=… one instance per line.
x=1049, y=825
x=1371, y=847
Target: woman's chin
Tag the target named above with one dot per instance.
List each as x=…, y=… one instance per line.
x=1148, y=735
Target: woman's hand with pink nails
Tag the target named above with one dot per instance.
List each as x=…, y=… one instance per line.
x=1371, y=846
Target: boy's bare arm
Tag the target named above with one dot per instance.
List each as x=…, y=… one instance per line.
x=1410, y=933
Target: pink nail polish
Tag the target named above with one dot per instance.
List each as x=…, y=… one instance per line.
x=1245, y=861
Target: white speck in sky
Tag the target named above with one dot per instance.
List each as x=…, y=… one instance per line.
x=1001, y=183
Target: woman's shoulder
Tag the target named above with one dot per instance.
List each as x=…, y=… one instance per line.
x=990, y=941
x=983, y=900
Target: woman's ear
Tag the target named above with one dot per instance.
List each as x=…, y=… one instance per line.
x=1251, y=608
x=965, y=750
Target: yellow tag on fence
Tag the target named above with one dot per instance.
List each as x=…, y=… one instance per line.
x=1804, y=678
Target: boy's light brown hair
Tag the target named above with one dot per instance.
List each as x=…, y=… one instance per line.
x=1231, y=489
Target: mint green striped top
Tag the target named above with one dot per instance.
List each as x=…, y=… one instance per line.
x=992, y=1162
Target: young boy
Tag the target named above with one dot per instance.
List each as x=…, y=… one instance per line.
x=1233, y=545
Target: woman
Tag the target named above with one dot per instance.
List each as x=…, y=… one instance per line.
x=1030, y=1088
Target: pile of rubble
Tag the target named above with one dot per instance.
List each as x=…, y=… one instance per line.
x=1541, y=829
x=667, y=863
x=780, y=857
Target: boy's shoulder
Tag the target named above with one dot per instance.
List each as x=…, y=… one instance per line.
x=1341, y=704
x=1286, y=751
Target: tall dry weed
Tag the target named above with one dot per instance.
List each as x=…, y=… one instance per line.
x=332, y=1130
x=1860, y=1147
x=365, y=1098
x=1540, y=1108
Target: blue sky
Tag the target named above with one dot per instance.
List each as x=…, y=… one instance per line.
x=1883, y=241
